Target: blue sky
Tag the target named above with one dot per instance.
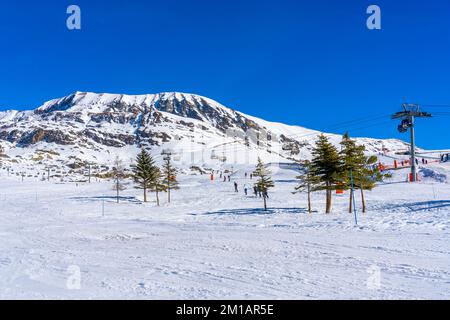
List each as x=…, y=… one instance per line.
x=310, y=63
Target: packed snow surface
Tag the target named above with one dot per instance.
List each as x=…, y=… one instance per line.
x=211, y=242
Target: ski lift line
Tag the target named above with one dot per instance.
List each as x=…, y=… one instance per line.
x=244, y=148
x=356, y=121
x=435, y=105
x=343, y=127
x=299, y=136
x=433, y=151
x=332, y=128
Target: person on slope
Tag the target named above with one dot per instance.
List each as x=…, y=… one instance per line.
x=236, y=187
x=245, y=189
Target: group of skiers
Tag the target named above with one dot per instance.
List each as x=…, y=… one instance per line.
x=256, y=191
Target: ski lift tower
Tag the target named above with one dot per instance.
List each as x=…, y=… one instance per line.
x=409, y=113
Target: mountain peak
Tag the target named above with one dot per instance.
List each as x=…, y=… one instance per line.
x=175, y=102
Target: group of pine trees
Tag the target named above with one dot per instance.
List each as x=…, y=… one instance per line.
x=146, y=175
x=149, y=177
x=330, y=170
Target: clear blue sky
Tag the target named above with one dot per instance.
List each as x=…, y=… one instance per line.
x=310, y=63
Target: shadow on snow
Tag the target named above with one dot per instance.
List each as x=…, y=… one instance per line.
x=425, y=205
x=256, y=211
x=108, y=199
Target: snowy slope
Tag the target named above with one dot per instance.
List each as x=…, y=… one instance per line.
x=220, y=244
x=209, y=242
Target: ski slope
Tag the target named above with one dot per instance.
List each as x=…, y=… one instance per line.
x=211, y=242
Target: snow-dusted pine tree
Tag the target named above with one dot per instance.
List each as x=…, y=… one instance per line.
x=326, y=166
x=368, y=176
x=363, y=170
x=264, y=182
x=170, y=176
x=307, y=182
x=157, y=184
x=118, y=174
x=143, y=171
x=2, y=154
x=353, y=162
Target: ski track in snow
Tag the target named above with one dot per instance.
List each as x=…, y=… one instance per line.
x=213, y=243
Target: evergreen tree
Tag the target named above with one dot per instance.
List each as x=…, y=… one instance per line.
x=326, y=167
x=118, y=175
x=143, y=172
x=170, y=176
x=157, y=184
x=264, y=182
x=307, y=182
x=354, y=161
x=363, y=170
x=368, y=176
x=2, y=154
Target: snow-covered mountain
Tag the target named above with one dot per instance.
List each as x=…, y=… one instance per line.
x=85, y=127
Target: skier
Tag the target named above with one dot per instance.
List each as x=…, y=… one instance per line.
x=246, y=175
x=224, y=178
x=235, y=187
x=255, y=190
x=245, y=189
x=251, y=175
x=229, y=178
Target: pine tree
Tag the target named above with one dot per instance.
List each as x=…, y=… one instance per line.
x=307, y=182
x=326, y=166
x=170, y=176
x=157, y=184
x=264, y=182
x=143, y=172
x=118, y=175
x=354, y=161
x=368, y=176
x=2, y=154
x=363, y=170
